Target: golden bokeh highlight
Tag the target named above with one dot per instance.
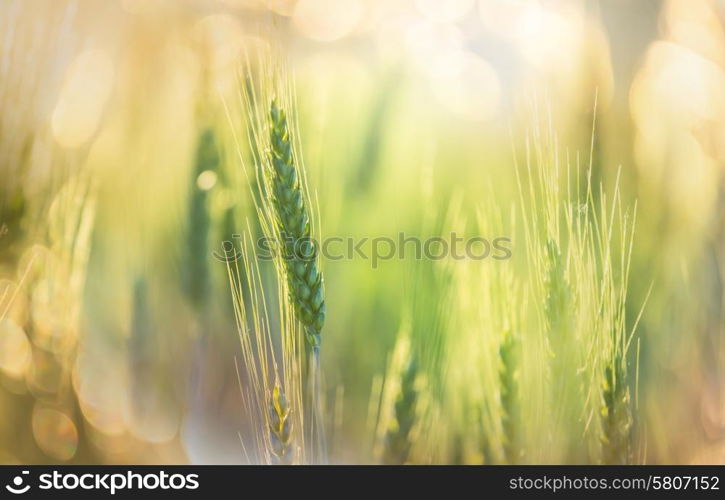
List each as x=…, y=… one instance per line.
x=15, y=351
x=13, y=302
x=470, y=88
x=45, y=375
x=327, y=20
x=86, y=90
x=55, y=433
x=102, y=394
x=222, y=41
x=678, y=107
x=445, y=11
x=206, y=180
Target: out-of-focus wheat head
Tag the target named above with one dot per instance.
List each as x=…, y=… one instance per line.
x=578, y=240
x=41, y=330
x=487, y=303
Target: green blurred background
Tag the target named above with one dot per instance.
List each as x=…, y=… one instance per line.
x=120, y=175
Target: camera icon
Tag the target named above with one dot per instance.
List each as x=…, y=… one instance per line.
x=17, y=487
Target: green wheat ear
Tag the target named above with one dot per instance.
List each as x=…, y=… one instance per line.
x=557, y=290
x=397, y=439
x=299, y=253
x=280, y=427
x=508, y=378
x=196, y=277
x=616, y=416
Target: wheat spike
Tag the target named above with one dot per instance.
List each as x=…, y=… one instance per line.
x=280, y=428
x=557, y=291
x=616, y=416
x=299, y=253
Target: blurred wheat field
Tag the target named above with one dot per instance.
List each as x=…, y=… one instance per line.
x=146, y=146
